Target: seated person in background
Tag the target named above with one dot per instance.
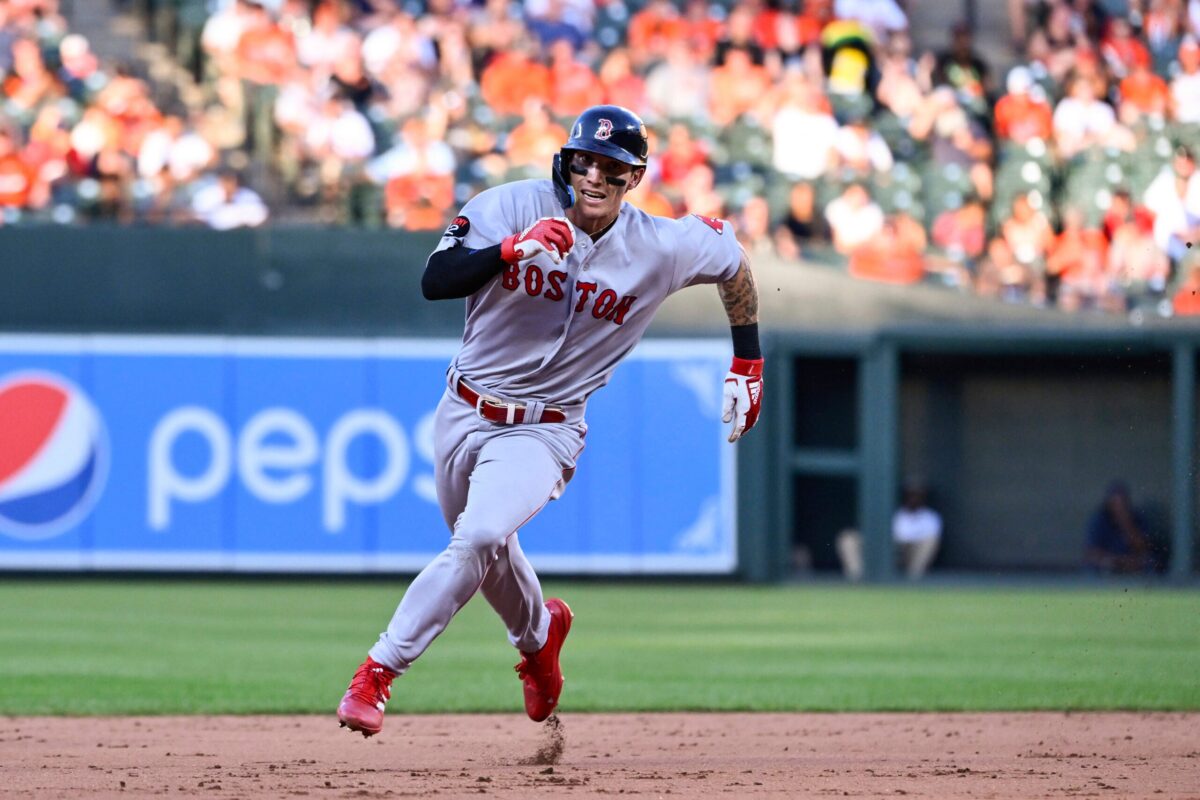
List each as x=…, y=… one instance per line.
x=1118, y=541
x=854, y=219
x=1187, y=298
x=916, y=530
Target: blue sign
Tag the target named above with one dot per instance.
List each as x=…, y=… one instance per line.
x=313, y=455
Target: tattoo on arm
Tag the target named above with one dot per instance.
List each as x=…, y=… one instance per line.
x=740, y=295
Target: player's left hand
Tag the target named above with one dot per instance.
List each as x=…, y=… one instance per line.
x=743, y=395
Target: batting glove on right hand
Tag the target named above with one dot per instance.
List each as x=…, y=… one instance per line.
x=743, y=395
x=550, y=235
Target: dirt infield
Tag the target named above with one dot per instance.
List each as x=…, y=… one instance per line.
x=681, y=755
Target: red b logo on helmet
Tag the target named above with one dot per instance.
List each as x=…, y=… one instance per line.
x=604, y=130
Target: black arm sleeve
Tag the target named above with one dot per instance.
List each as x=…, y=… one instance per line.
x=460, y=272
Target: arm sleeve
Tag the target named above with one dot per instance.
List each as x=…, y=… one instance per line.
x=460, y=272
x=468, y=255
x=706, y=251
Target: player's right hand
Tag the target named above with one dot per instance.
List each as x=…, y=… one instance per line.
x=550, y=235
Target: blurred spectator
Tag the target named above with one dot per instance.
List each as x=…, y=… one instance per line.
x=227, y=204
x=1002, y=276
x=803, y=116
x=1077, y=262
x=895, y=255
x=18, y=181
x=536, y=138
x=326, y=42
x=338, y=140
x=881, y=17
x=573, y=85
x=737, y=86
x=1135, y=263
x=552, y=24
x=417, y=174
x=653, y=30
x=1186, y=302
x=916, y=536
x=1143, y=93
x=859, y=150
x=622, y=86
x=802, y=223
x=962, y=69
x=678, y=88
x=700, y=195
x=265, y=58
x=1028, y=233
x=740, y=35
x=1185, y=86
x=960, y=234
x=1023, y=114
x=1174, y=199
x=854, y=219
x=1121, y=49
x=511, y=79
x=848, y=59
x=681, y=155
x=1118, y=537
x=1081, y=120
x=916, y=530
x=753, y=226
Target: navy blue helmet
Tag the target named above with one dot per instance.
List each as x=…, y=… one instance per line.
x=611, y=131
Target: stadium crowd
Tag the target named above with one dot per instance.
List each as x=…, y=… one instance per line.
x=815, y=125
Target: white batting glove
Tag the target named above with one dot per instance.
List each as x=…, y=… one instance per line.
x=550, y=235
x=743, y=395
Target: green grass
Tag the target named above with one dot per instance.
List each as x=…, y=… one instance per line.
x=101, y=647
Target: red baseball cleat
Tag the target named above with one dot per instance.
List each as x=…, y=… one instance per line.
x=540, y=671
x=362, y=706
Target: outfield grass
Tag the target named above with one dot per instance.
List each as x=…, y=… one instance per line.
x=122, y=647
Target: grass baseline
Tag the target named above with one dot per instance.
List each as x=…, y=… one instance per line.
x=228, y=646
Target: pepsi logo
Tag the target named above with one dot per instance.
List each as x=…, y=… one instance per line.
x=53, y=455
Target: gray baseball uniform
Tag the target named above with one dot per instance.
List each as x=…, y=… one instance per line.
x=539, y=333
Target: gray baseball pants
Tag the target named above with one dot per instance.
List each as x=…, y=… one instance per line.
x=491, y=480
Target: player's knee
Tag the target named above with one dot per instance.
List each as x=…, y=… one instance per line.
x=482, y=539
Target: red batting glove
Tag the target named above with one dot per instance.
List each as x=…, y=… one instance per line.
x=743, y=395
x=551, y=235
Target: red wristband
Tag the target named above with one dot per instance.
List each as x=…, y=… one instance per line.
x=750, y=367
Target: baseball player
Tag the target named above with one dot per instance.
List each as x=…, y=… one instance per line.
x=561, y=278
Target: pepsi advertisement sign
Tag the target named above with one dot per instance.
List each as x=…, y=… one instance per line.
x=314, y=455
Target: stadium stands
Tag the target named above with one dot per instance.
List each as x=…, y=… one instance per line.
x=371, y=112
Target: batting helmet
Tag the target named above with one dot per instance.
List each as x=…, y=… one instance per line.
x=611, y=131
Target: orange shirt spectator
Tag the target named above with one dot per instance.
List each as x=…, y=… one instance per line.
x=574, y=85
x=1145, y=91
x=1187, y=299
x=16, y=181
x=511, y=79
x=1079, y=255
x=1020, y=115
x=737, y=86
x=622, y=86
x=266, y=53
x=650, y=200
x=653, y=28
x=536, y=139
x=700, y=28
x=419, y=201
x=683, y=153
x=1121, y=49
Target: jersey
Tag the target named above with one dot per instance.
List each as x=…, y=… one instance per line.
x=555, y=332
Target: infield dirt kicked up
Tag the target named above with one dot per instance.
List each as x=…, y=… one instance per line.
x=994, y=755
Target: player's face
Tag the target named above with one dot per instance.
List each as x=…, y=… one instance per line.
x=600, y=185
